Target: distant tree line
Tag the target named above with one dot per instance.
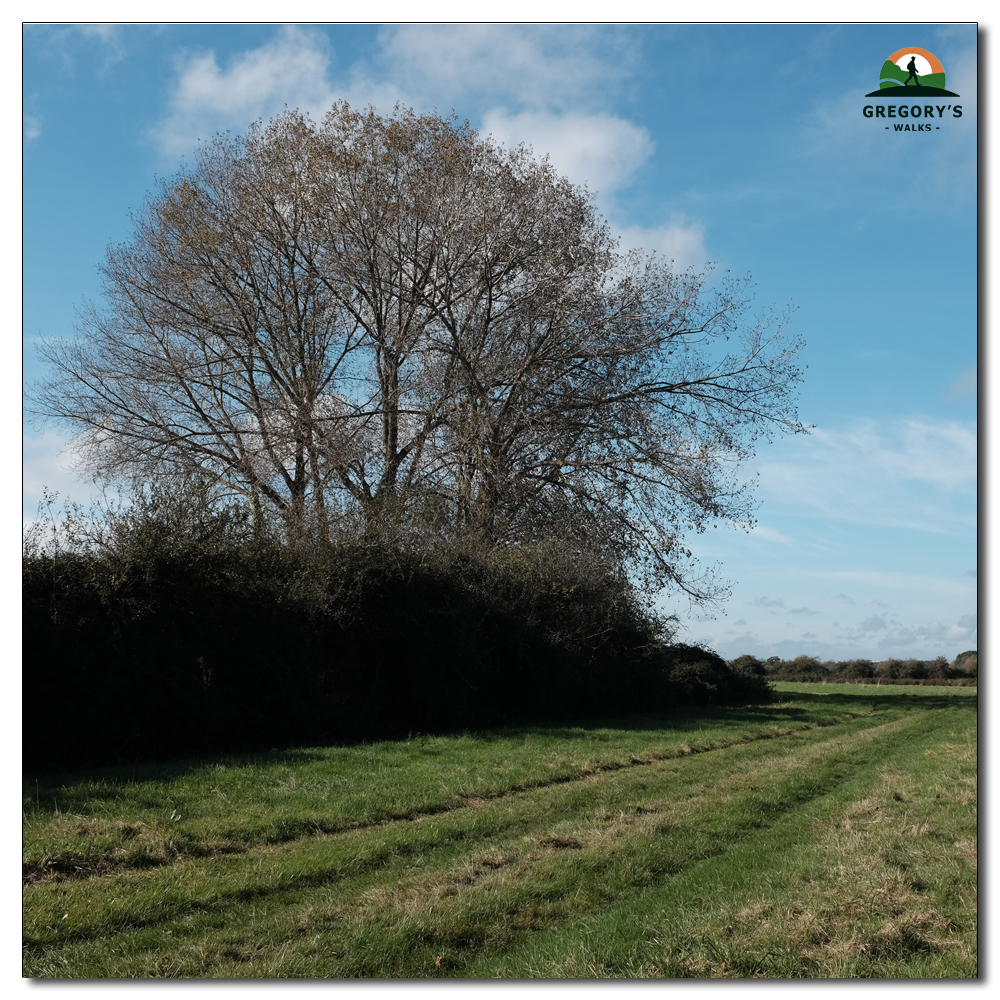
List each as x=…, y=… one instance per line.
x=964, y=669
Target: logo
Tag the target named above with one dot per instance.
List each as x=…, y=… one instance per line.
x=911, y=73
x=917, y=75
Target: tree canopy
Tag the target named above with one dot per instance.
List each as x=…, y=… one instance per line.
x=391, y=324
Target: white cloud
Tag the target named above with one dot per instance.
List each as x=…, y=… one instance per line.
x=902, y=637
x=598, y=150
x=32, y=128
x=289, y=70
x=49, y=463
x=683, y=242
x=917, y=473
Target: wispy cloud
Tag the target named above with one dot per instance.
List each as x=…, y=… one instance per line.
x=872, y=624
x=896, y=638
x=517, y=67
x=108, y=33
x=916, y=473
x=110, y=40
x=903, y=585
x=965, y=385
x=32, y=128
x=877, y=638
x=71, y=46
x=771, y=535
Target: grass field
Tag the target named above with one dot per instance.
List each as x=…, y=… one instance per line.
x=832, y=834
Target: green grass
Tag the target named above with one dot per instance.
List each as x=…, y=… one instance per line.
x=830, y=835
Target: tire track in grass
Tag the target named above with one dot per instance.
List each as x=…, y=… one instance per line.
x=464, y=830
x=624, y=940
x=699, y=842
x=69, y=865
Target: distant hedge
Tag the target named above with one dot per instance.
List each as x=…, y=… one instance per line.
x=923, y=682
x=963, y=671
x=161, y=645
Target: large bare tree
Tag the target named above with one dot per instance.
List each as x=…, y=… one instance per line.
x=391, y=323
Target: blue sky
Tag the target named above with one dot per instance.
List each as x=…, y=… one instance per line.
x=741, y=145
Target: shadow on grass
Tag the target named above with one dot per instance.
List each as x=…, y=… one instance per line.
x=790, y=708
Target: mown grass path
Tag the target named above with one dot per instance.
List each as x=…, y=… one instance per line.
x=833, y=834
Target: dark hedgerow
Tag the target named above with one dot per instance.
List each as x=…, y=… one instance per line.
x=699, y=676
x=748, y=664
x=199, y=638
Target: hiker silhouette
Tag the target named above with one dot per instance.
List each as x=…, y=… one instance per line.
x=912, y=67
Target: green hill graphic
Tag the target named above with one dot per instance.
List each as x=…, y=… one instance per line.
x=891, y=76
